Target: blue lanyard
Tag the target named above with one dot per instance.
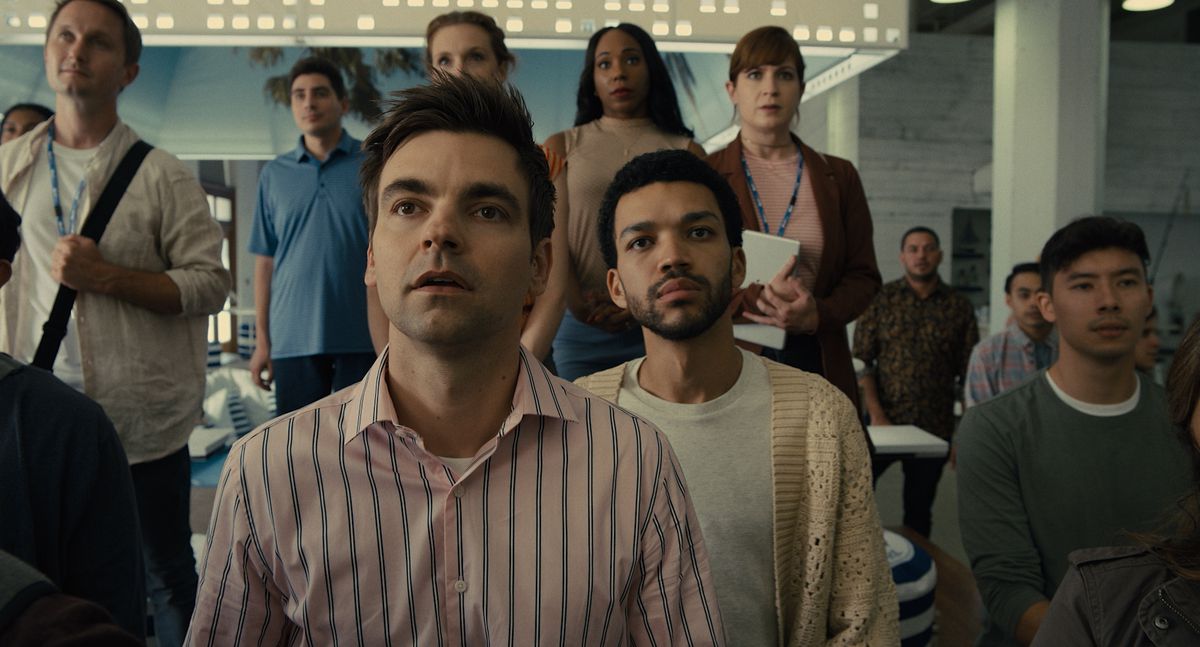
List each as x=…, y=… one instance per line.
x=68, y=228
x=787, y=216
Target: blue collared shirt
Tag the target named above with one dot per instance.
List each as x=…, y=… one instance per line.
x=310, y=219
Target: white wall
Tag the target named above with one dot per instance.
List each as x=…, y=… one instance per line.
x=926, y=128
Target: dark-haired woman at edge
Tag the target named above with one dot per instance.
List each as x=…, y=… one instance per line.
x=788, y=189
x=626, y=106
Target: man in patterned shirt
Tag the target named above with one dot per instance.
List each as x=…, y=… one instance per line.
x=1008, y=358
x=459, y=494
x=915, y=338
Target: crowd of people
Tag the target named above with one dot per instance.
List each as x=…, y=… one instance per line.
x=513, y=408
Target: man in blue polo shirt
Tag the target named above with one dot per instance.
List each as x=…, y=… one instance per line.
x=310, y=237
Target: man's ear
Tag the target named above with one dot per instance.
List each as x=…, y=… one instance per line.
x=369, y=275
x=542, y=261
x=1045, y=305
x=616, y=290
x=737, y=267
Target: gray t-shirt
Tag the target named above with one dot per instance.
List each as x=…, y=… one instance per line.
x=1038, y=478
x=724, y=447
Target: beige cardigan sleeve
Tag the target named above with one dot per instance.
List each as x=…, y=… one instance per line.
x=862, y=602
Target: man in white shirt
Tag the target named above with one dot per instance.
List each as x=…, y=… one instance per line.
x=137, y=340
x=775, y=457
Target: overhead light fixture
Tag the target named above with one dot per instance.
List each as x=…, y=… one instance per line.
x=871, y=34
x=683, y=28
x=1146, y=5
x=37, y=20
x=660, y=6
x=14, y=21
x=266, y=22
x=391, y=3
x=708, y=6
x=539, y=4
x=731, y=6
x=563, y=4
x=824, y=34
x=316, y=22
x=215, y=22
x=778, y=8
x=514, y=24
x=660, y=28
x=637, y=5
x=215, y=2
x=366, y=23
x=416, y=3
x=241, y=2
x=466, y=3
x=288, y=22
x=515, y=4
x=846, y=35
x=164, y=21
x=240, y=22
x=441, y=3
x=871, y=11
x=801, y=32
x=612, y=5
x=140, y=20
x=562, y=26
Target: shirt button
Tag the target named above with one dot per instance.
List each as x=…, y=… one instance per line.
x=461, y=587
x=1162, y=623
x=458, y=493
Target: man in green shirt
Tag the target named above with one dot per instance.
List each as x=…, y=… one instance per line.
x=1082, y=454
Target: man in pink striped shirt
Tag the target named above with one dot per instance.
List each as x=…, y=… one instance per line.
x=460, y=494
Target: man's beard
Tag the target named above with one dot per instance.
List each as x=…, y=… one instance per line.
x=651, y=316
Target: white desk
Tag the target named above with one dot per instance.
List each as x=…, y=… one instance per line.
x=907, y=440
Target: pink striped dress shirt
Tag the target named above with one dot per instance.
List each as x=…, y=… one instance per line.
x=572, y=526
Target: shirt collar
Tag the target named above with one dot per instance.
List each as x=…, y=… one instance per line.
x=345, y=144
x=537, y=393
x=1019, y=336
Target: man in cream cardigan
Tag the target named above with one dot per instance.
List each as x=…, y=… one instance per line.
x=774, y=457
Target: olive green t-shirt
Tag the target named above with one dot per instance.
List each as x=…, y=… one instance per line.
x=1038, y=478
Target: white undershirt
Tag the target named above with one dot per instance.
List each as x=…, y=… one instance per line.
x=1100, y=410
x=39, y=235
x=459, y=465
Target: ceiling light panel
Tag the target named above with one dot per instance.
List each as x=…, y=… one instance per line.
x=677, y=25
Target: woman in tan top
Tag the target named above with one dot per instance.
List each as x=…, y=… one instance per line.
x=626, y=106
x=787, y=189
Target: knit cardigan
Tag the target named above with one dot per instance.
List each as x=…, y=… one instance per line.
x=833, y=585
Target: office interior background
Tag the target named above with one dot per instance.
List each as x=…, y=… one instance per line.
x=993, y=122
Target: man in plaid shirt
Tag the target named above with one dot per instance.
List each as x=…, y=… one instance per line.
x=1026, y=346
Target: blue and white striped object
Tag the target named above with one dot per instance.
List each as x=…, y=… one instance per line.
x=237, y=414
x=214, y=354
x=915, y=576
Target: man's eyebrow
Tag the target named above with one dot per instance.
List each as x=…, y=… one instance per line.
x=687, y=219
x=695, y=216
x=404, y=185
x=492, y=190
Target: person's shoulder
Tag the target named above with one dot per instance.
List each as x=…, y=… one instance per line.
x=32, y=384
x=992, y=347
x=823, y=400
x=1007, y=413
x=602, y=382
x=1113, y=556
x=600, y=415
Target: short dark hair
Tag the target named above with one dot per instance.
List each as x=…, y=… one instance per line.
x=665, y=166
x=1088, y=234
x=131, y=37
x=318, y=65
x=662, y=103
x=10, y=230
x=42, y=111
x=920, y=229
x=1020, y=268
x=461, y=105
x=480, y=20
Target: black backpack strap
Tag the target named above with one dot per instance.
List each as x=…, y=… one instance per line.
x=55, y=327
